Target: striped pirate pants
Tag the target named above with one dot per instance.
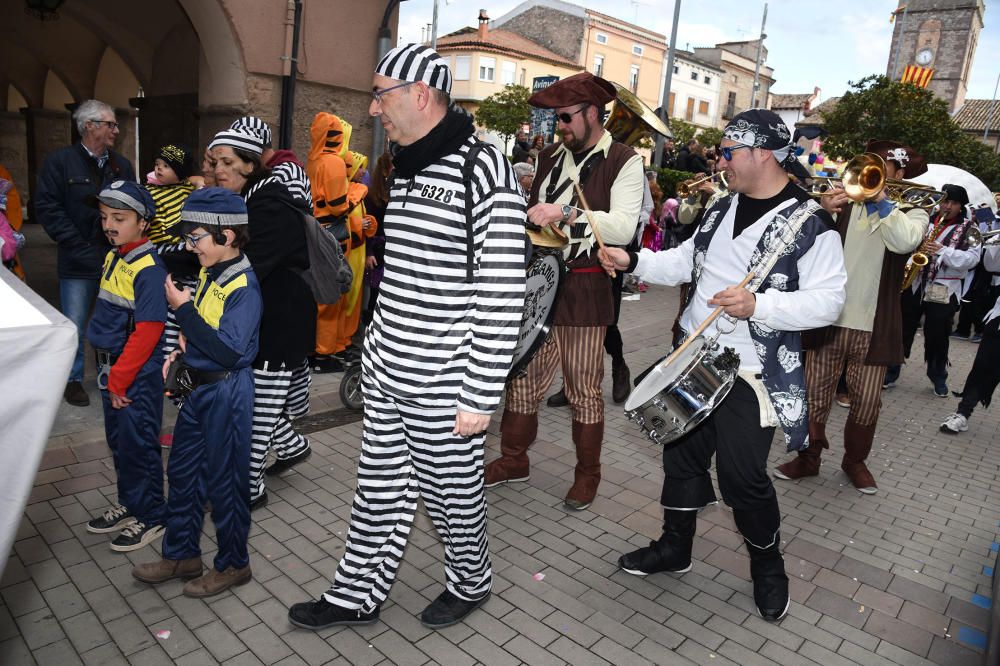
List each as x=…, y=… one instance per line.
x=408, y=452
x=580, y=351
x=864, y=382
x=298, y=392
x=272, y=424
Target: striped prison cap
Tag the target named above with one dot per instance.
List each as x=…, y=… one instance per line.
x=214, y=207
x=416, y=62
x=126, y=195
x=244, y=138
x=256, y=125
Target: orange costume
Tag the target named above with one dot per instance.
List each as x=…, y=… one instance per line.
x=327, y=171
x=361, y=226
x=13, y=214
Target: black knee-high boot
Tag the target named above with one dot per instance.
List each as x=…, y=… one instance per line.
x=670, y=553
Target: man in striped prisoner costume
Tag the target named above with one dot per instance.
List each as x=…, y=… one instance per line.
x=437, y=352
x=610, y=174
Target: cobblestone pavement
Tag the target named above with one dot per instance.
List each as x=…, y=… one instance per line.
x=901, y=577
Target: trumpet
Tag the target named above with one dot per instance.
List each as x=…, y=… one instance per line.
x=865, y=177
x=687, y=188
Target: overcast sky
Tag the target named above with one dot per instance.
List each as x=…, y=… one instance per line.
x=810, y=43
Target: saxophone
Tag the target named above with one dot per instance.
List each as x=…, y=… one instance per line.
x=919, y=259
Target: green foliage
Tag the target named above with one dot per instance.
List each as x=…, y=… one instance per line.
x=505, y=112
x=667, y=179
x=710, y=137
x=877, y=108
x=683, y=131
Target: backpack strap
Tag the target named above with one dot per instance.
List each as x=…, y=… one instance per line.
x=467, y=169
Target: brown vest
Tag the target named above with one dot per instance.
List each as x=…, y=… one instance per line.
x=886, y=347
x=585, y=298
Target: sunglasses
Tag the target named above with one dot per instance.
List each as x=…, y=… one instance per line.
x=567, y=118
x=727, y=152
x=377, y=94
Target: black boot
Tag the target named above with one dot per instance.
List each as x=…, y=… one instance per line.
x=558, y=399
x=620, y=379
x=770, y=584
x=670, y=553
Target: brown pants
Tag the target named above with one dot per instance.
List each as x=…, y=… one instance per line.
x=864, y=382
x=579, y=349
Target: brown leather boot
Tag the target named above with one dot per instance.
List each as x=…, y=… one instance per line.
x=588, y=438
x=806, y=463
x=216, y=582
x=164, y=570
x=517, y=432
x=857, y=445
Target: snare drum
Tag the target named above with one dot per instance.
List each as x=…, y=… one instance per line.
x=673, y=399
x=541, y=289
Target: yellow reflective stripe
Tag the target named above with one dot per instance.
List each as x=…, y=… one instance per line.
x=118, y=287
x=211, y=299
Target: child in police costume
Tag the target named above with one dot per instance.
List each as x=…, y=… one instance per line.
x=210, y=459
x=126, y=331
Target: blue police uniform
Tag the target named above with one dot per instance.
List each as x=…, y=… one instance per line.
x=210, y=458
x=131, y=290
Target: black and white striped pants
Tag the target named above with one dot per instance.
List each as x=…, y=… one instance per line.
x=272, y=424
x=408, y=451
x=298, y=392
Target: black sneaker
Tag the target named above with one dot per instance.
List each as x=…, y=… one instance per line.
x=135, y=536
x=260, y=502
x=321, y=614
x=112, y=520
x=281, y=464
x=448, y=609
x=327, y=363
x=655, y=559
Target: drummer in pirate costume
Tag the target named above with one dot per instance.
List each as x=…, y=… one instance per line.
x=878, y=237
x=610, y=175
x=803, y=289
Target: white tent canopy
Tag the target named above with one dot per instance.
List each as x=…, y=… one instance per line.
x=939, y=175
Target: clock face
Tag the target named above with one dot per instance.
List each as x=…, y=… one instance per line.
x=925, y=56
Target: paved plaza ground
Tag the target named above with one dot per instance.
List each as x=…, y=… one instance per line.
x=901, y=577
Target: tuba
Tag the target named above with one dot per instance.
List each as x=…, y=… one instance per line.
x=631, y=120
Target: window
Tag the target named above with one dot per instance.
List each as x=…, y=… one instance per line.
x=736, y=79
x=508, y=72
x=708, y=80
x=694, y=76
x=463, y=65
x=633, y=78
x=670, y=106
x=602, y=38
x=703, y=108
x=677, y=70
x=524, y=75
x=637, y=50
x=487, y=67
x=689, y=113
x=730, y=105
x=598, y=65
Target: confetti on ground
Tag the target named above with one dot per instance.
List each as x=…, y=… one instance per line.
x=539, y=576
x=861, y=609
x=163, y=634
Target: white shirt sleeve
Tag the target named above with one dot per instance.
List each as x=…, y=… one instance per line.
x=820, y=296
x=670, y=267
x=991, y=258
x=958, y=260
x=617, y=226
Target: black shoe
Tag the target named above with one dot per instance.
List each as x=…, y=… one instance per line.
x=558, y=399
x=259, y=502
x=770, y=583
x=321, y=614
x=448, y=609
x=281, y=464
x=112, y=520
x=324, y=364
x=671, y=553
x=620, y=382
x=135, y=536
x=75, y=395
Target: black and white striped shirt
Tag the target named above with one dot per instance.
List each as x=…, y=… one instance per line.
x=294, y=177
x=437, y=337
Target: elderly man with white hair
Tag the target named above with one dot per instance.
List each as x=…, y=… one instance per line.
x=69, y=179
x=525, y=177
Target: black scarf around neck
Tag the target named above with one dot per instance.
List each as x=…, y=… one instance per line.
x=446, y=138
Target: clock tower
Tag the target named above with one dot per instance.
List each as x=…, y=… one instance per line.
x=942, y=34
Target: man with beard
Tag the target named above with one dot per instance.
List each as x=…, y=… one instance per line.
x=610, y=175
x=437, y=351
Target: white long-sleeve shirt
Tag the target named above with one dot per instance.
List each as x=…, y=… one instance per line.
x=817, y=302
x=953, y=264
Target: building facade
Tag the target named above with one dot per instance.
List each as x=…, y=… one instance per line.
x=694, y=90
x=738, y=61
x=793, y=108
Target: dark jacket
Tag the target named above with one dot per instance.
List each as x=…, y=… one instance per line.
x=277, y=251
x=69, y=177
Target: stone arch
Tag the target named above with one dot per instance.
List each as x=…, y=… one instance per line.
x=15, y=98
x=57, y=93
x=222, y=71
x=115, y=82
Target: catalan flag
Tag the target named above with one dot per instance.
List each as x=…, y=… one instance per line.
x=917, y=76
x=899, y=10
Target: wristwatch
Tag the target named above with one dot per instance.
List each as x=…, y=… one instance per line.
x=567, y=210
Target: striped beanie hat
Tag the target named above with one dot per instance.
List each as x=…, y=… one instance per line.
x=255, y=125
x=245, y=138
x=416, y=62
x=214, y=207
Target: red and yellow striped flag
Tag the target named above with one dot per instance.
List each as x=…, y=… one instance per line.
x=917, y=76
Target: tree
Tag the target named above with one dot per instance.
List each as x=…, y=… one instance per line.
x=683, y=131
x=877, y=108
x=505, y=112
x=710, y=137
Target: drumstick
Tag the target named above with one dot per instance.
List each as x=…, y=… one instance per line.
x=701, y=328
x=590, y=219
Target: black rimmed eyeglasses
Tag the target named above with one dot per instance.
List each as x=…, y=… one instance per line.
x=110, y=123
x=377, y=94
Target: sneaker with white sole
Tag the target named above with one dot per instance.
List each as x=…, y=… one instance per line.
x=955, y=424
x=111, y=520
x=135, y=536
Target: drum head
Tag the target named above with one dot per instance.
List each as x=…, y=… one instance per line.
x=660, y=377
x=540, y=291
